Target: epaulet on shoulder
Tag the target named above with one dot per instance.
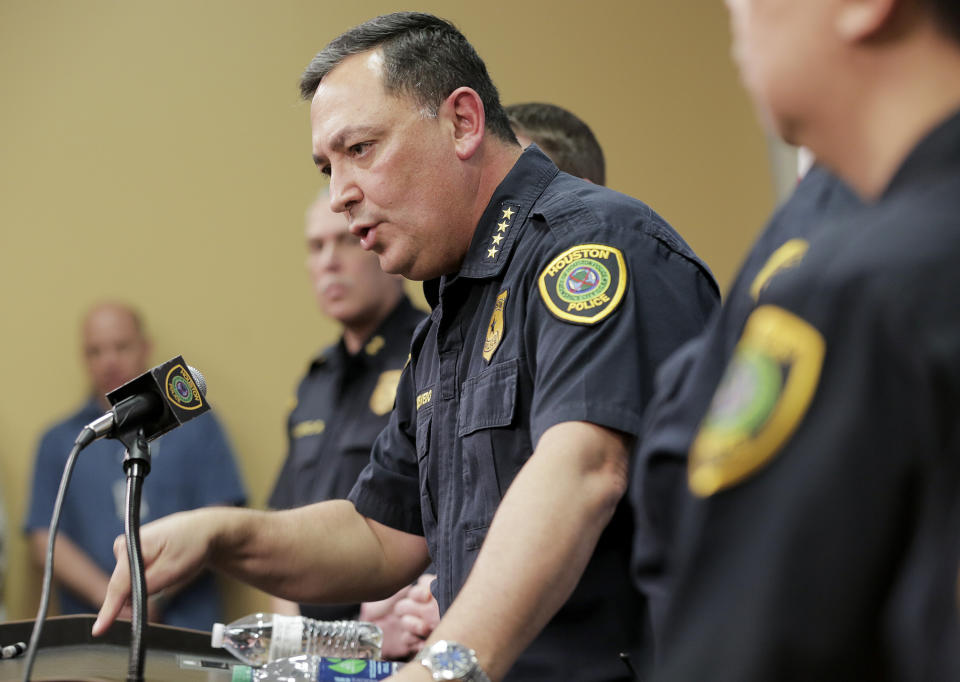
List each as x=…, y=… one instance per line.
x=566, y=213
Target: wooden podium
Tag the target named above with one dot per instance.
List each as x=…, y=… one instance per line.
x=69, y=652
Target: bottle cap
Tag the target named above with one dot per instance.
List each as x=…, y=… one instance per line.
x=216, y=636
x=242, y=673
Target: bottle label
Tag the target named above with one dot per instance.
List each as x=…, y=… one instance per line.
x=347, y=669
x=286, y=640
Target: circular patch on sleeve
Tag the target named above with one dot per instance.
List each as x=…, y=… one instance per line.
x=584, y=284
x=763, y=396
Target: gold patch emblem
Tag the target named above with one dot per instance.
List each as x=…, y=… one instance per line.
x=374, y=345
x=787, y=256
x=312, y=427
x=495, y=328
x=763, y=396
x=385, y=392
x=585, y=283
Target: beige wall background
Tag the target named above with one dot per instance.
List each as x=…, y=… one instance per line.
x=158, y=152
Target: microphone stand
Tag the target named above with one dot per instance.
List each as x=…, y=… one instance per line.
x=136, y=464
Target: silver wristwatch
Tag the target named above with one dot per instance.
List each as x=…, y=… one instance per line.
x=448, y=660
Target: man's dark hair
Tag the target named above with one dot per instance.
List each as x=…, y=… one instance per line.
x=948, y=12
x=425, y=58
x=562, y=136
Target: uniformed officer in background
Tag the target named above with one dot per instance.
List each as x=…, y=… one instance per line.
x=345, y=399
x=562, y=136
x=506, y=455
x=823, y=542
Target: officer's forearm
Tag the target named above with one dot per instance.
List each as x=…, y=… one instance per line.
x=325, y=552
x=539, y=543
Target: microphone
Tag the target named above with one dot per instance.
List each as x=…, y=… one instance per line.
x=157, y=401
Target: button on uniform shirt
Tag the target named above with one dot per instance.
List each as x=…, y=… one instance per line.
x=824, y=543
x=687, y=380
x=568, y=298
x=342, y=404
x=191, y=466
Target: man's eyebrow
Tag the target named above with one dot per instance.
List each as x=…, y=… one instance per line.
x=339, y=140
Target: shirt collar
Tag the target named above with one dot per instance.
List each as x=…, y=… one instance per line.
x=502, y=221
x=939, y=148
x=393, y=329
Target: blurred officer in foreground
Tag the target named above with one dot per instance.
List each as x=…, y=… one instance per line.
x=687, y=380
x=506, y=456
x=193, y=466
x=823, y=539
x=346, y=397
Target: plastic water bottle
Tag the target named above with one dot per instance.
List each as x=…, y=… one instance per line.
x=263, y=637
x=316, y=669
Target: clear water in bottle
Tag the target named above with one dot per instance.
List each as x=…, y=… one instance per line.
x=262, y=637
x=316, y=669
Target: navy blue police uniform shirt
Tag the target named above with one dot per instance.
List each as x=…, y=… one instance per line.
x=687, y=380
x=825, y=540
x=568, y=298
x=342, y=404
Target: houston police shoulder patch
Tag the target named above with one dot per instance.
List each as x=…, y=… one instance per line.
x=763, y=396
x=585, y=283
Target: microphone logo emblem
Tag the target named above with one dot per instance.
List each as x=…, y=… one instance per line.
x=182, y=390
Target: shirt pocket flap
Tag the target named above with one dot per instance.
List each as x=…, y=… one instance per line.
x=488, y=399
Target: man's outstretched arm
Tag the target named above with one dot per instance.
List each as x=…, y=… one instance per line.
x=323, y=552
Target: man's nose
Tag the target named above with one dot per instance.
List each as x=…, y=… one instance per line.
x=344, y=191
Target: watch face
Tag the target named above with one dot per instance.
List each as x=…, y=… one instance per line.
x=451, y=661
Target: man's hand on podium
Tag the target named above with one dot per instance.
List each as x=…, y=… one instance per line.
x=174, y=549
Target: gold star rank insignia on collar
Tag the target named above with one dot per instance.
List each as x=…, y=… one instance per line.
x=503, y=225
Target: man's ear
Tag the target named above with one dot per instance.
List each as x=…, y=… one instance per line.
x=862, y=20
x=464, y=109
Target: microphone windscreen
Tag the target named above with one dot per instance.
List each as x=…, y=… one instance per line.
x=199, y=380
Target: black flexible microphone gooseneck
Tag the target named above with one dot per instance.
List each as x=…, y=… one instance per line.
x=143, y=409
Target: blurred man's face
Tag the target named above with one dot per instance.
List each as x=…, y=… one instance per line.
x=347, y=280
x=782, y=48
x=393, y=170
x=114, y=349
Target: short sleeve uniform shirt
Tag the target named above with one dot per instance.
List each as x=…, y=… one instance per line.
x=823, y=542
x=568, y=298
x=687, y=380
